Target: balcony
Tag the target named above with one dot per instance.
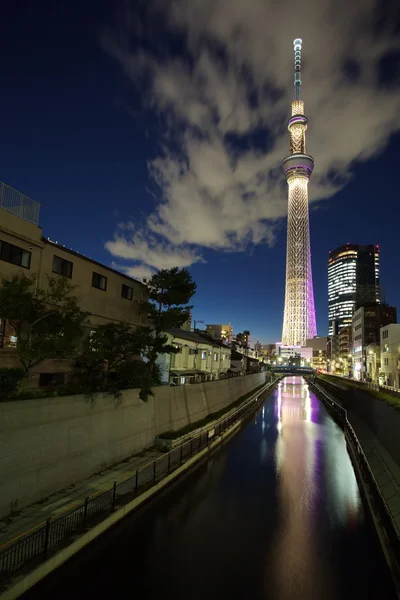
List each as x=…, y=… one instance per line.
x=19, y=204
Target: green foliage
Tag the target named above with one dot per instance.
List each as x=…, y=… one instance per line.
x=48, y=323
x=9, y=381
x=111, y=361
x=169, y=292
x=171, y=287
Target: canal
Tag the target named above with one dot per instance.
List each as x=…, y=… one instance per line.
x=275, y=514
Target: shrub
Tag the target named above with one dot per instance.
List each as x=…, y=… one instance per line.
x=9, y=381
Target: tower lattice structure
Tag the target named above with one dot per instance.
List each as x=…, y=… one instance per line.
x=299, y=313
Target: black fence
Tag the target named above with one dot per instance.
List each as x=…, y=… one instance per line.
x=33, y=547
x=358, y=455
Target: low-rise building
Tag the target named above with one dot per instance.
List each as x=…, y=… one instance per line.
x=319, y=346
x=390, y=356
x=221, y=332
x=373, y=362
x=199, y=358
x=107, y=294
x=366, y=325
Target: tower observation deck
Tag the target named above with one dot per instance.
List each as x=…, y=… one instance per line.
x=299, y=312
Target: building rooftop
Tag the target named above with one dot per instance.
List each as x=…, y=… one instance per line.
x=95, y=262
x=19, y=204
x=196, y=337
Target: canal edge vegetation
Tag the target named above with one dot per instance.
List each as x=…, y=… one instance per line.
x=49, y=324
x=170, y=439
x=13, y=586
x=380, y=516
x=384, y=396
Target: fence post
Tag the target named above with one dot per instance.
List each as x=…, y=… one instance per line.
x=114, y=497
x=136, y=480
x=154, y=471
x=47, y=537
x=85, y=512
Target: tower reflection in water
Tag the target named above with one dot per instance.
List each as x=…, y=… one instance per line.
x=314, y=475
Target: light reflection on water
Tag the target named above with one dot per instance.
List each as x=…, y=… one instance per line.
x=301, y=439
x=274, y=515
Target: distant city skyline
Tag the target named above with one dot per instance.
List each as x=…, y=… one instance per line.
x=147, y=148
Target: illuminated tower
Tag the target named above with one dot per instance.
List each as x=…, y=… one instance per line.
x=299, y=315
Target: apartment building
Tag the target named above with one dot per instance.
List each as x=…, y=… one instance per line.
x=390, y=356
x=366, y=324
x=108, y=295
x=199, y=358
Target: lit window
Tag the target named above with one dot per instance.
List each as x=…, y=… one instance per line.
x=203, y=354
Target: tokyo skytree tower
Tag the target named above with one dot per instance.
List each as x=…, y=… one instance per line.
x=299, y=314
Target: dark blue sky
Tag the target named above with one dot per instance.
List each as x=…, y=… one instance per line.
x=75, y=138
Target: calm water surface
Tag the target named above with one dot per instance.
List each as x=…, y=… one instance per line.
x=275, y=515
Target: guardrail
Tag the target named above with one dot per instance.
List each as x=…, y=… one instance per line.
x=369, y=385
x=34, y=546
x=19, y=204
x=367, y=474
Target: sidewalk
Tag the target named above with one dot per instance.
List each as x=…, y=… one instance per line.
x=31, y=516
x=385, y=470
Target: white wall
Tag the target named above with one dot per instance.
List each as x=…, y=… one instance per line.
x=49, y=444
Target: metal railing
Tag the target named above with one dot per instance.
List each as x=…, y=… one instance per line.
x=370, y=385
x=34, y=546
x=19, y=204
x=365, y=469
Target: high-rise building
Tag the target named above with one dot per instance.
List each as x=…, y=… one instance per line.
x=353, y=281
x=299, y=313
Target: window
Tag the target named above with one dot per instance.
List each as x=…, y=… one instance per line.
x=215, y=356
x=62, y=267
x=386, y=362
x=203, y=354
x=99, y=281
x=193, y=351
x=179, y=348
x=14, y=255
x=385, y=334
x=51, y=379
x=126, y=292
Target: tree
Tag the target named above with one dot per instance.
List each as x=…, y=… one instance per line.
x=169, y=292
x=111, y=360
x=47, y=323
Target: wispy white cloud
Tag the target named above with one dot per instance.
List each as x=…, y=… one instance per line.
x=233, y=80
x=149, y=253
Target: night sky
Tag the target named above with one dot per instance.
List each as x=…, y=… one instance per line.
x=152, y=134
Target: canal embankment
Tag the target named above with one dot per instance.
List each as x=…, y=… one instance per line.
x=54, y=539
x=377, y=472
x=49, y=444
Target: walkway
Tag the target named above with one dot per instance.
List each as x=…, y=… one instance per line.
x=276, y=514
x=64, y=500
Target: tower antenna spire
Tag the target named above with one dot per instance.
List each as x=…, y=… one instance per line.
x=299, y=314
x=297, y=67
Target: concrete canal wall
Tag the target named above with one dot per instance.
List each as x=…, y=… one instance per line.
x=49, y=444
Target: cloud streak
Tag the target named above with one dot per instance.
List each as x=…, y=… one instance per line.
x=224, y=101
